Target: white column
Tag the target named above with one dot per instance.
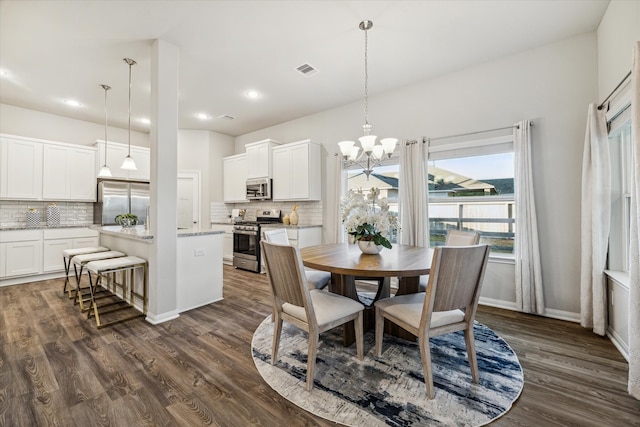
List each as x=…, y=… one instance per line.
x=163, y=140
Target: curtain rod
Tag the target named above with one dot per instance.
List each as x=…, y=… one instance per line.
x=424, y=138
x=614, y=90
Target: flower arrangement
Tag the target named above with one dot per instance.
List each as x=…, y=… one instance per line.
x=367, y=217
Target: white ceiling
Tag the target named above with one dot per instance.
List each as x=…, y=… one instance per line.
x=55, y=50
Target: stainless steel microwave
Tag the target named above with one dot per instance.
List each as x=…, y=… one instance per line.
x=259, y=189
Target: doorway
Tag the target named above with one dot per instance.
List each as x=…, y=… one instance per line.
x=188, y=199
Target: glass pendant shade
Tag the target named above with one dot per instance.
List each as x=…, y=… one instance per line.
x=377, y=152
x=367, y=142
x=389, y=145
x=345, y=147
x=105, y=172
x=354, y=153
x=129, y=164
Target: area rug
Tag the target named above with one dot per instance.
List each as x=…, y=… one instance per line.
x=390, y=390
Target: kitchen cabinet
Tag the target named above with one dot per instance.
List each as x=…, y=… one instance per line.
x=235, y=178
x=259, y=158
x=296, y=171
x=20, y=169
x=227, y=242
x=21, y=252
x=69, y=173
x=57, y=240
x=303, y=237
x=116, y=154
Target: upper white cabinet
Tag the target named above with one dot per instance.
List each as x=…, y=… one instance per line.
x=259, y=158
x=116, y=154
x=235, y=177
x=296, y=171
x=20, y=169
x=69, y=173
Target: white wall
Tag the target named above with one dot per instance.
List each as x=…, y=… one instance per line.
x=35, y=124
x=551, y=85
x=203, y=151
x=618, y=30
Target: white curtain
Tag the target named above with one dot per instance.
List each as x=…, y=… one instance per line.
x=334, y=205
x=634, y=252
x=596, y=217
x=529, y=293
x=414, y=193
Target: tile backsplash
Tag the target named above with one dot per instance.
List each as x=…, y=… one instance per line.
x=309, y=213
x=13, y=213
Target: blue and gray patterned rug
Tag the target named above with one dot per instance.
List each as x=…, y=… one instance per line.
x=390, y=390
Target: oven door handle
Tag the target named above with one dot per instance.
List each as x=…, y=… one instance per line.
x=248, y=233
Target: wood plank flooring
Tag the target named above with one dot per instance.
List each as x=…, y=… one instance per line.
x=56, y=368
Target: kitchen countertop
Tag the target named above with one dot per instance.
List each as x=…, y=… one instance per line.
x=139, y=233
x=275, y=225
x=43, y=227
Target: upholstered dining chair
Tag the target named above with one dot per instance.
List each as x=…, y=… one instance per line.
x=315, y=278
x=454, y=238
x=313, y=311
x=448, y=305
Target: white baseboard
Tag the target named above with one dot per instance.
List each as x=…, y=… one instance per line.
x=498, y=303
x=156, y=319
x=562, y=315
x=548, y=312
x=35, y=278
x=617, y=341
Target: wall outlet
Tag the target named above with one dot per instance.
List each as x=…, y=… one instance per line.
x=199, y=252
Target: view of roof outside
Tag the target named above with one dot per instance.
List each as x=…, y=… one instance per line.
x=471, y=193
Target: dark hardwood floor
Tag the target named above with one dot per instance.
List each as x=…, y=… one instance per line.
x=56, y=368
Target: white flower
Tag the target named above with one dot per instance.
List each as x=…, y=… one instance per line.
x=366, y=221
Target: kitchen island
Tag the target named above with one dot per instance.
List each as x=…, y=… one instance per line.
x=199, y=260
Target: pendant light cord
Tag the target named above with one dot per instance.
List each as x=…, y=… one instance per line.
x=366, y=82
x=130, y=65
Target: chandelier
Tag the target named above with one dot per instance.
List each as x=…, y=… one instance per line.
x=369, y=154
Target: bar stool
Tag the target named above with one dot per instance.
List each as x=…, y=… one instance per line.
x=108, y=269
x=79, y=262
x=68, y=254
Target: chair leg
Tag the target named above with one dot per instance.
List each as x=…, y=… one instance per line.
x=277, y=330
x=471, y=353
x=425, y=354
x=311, y=358
x=379, y=331
x=359, y=335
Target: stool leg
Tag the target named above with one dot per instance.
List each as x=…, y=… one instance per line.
x=67, y=287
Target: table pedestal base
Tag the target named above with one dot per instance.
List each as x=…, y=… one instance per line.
x=346, y=285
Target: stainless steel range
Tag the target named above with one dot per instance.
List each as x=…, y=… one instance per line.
x=246, y=239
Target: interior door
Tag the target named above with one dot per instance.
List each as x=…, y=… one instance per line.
x=188, y=199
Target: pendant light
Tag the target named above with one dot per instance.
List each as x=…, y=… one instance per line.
x=128, y=163
x=369, y=151
x=105, y=172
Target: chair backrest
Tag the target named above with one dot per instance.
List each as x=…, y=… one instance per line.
x=462, y=238
x=278, y=235
x=286, y=273
x=455, y=279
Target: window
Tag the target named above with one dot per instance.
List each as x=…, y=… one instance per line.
x=471, y=187
x=620, y=232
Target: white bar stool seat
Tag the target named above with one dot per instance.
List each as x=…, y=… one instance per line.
x=68, y=254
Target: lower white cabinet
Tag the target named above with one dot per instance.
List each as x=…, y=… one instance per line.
x=33, y=252
x=57, y=240
x=303, y=237
x=227, y=242
x=22, y=252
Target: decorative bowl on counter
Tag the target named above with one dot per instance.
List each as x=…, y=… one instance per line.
x=126, y=220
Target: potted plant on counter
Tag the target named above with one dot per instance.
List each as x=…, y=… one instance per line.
x=127, y=220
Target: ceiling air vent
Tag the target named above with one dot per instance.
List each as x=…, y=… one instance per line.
x=307, y=70
x=225, y=117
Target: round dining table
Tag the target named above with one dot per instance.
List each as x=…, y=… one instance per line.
x=347, y=263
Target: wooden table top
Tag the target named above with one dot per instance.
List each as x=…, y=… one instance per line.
x=347, y=259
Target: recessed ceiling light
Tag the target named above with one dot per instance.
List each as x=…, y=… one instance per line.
x=72, y=103
x=252, y=94
x=144, y=120
x=203, y=116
